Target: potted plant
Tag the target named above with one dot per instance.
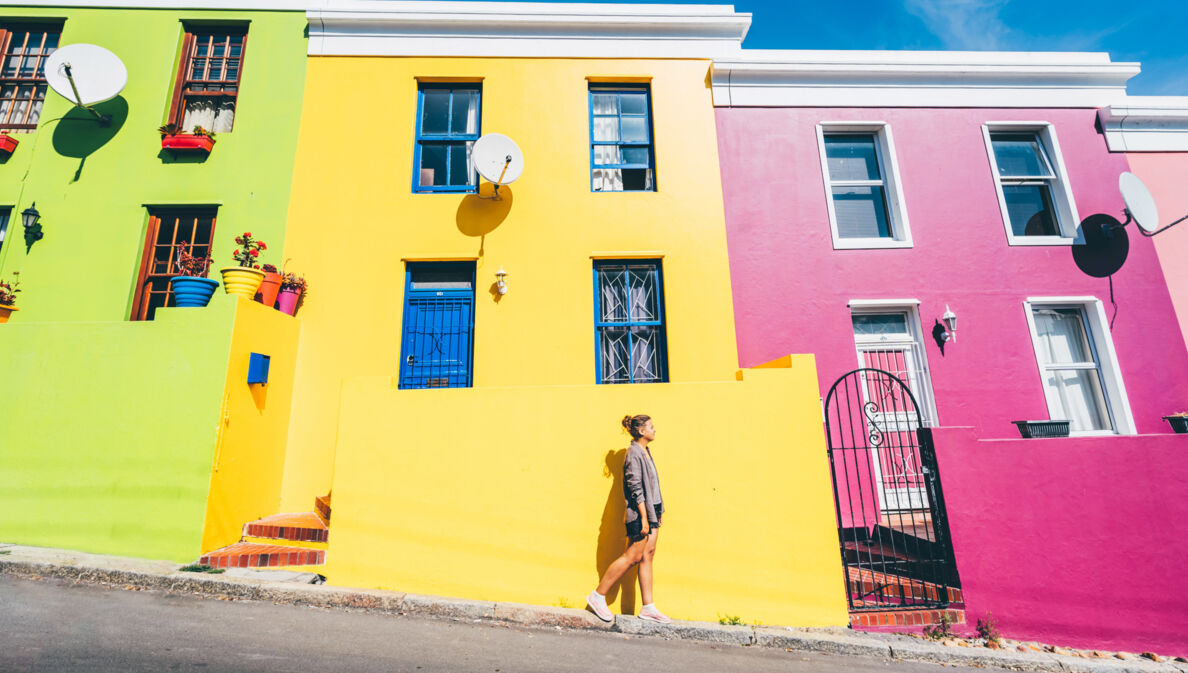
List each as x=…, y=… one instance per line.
x=1178, y=421
x=8, y=144
x=291, y=289
x=8, y=293
x=190, y=286
x=244, y=279
x=1042, y=429
x=174, y=137
x=270, y=286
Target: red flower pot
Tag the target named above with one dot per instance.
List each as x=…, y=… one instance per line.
x=186, y=142
x=8, y=144
x=269, y=288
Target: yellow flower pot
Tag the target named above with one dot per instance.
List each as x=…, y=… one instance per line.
x=241, y=280
x=6, y=311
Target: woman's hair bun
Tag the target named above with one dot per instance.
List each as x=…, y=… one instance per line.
x=626, y=422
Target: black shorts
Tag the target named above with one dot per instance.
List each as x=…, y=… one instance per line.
x=635, y=528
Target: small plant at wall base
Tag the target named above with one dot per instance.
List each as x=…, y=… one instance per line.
x=988, y=631
x=941, y=630
x=190, y=287
x=8, y=293
x=245, y=279
x=730, y=620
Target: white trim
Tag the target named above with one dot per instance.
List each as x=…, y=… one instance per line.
x=1146, y=124
x=524, y=29
x=881, y=303
x=1111, y=372
x=268, y=5
x=836, y=78
x=897, y=217
x=1067, y=217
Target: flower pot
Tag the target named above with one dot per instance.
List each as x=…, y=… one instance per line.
x=190, y=291
x=8, y=144
x=241, y=280
x=1179, y=424
x=6, y=311
x=287, y=300
x=186, y=142
x=1042, y=429
x=269, y=288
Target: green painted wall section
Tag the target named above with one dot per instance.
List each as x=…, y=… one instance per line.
x=91, y=184
x=109, y=429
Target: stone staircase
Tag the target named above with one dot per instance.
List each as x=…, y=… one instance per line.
x=909, y=593
x=279, y=541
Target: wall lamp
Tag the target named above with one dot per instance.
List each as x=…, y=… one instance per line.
x=950, y=320
x=501, y=281
x=32, y=221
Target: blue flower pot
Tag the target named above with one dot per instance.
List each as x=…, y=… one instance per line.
x=189, y=291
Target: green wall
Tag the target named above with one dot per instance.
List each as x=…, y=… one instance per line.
x=91, y=184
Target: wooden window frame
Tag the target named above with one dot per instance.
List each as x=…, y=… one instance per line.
x=177, y=110
x=140, y=300
x=38, y=80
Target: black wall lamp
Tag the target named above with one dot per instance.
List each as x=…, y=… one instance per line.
x=32, y=221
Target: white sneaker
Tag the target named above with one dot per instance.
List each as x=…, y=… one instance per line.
x=597, y=603
x=650, y=613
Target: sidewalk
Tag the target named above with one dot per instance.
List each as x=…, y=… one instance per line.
x=294, y=589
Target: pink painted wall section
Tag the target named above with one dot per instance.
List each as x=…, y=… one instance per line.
x=1075, y=542
x=1166, y=175
x=791, y=288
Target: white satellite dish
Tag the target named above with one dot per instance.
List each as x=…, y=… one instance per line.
x=498, y=159
x=1140, y=205
x=85, y=74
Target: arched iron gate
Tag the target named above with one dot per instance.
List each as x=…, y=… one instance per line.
x=890, y=510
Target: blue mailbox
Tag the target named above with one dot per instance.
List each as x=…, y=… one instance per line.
x=258, y=368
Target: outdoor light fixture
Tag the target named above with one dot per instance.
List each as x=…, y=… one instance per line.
x=501, y=281
x=31, y=219
x=950, y=320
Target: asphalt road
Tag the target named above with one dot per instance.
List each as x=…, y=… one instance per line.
x=54, y=625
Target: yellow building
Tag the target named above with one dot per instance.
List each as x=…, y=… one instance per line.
x=470, y=436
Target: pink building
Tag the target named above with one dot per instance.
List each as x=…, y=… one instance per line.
x=871, y=195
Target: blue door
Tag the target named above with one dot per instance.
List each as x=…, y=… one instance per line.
x=438, y=341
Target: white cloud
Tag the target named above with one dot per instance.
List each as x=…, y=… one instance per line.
x=963, y=24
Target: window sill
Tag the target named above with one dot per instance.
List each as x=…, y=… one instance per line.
x=1043, y=240
x=445, y=191
x=870, y=244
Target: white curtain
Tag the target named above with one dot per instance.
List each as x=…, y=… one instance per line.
x=1071, y=373
x=213, y=114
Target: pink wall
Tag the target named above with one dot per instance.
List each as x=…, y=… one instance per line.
x=791, y=287
x=1166, y=175
x=1076, y=542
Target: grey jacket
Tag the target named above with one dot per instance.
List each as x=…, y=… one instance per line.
x=641, y=484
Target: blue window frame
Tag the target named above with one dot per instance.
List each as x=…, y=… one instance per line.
x=437, y=342
x=449, y=118
x=622, y=158
x=629, y=322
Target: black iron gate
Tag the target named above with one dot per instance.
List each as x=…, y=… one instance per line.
x=890, y=510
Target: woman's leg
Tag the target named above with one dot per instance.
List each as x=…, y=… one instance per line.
x=633, y=555
x=645, y=567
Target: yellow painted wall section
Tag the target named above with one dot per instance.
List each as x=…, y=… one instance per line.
x=248, y=465
x=353, y=218
x=515, y=494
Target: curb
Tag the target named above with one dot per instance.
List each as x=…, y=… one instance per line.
x=33, y=562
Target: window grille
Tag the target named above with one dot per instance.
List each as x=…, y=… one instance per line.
x=170, y=232
x=23, y=50
x=629, y=322
x=890, y=341
x=208, y=80
x=621, y=150
x=448, y=123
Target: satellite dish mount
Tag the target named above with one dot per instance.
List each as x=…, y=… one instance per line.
x=104, y=120
x=497, y=159
x=101, y=76
x=1140, y=206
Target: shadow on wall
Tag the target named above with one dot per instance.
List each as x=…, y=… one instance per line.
x=612, y=537
x=480, y=214
x=79, y=134
x=1106, y=246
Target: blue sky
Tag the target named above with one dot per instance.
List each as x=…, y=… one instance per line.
x=1154, y=32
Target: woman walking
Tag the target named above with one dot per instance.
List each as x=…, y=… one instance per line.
x=645, y=512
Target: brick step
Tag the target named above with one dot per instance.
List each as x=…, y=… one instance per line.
x=291, y=544
x=322, y=506
x=299, y=527
x=902, y=617
x=253, y=555
x=864, y=582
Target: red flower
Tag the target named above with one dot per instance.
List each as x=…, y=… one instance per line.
x=247, y=234
x=254, y=253
x=262, y=246
x=238, y=240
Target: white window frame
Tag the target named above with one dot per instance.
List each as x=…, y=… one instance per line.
x=1117, y=401
x=1067, y=218
x=925, y=397
x=897, y=217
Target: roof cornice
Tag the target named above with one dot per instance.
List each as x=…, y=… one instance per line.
x=258, y=5
x=918, y=79
x=1146, y=124
x=530, y=29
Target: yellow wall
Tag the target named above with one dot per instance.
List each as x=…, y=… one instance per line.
x=249, y=459
x=353, y=218
x=524, y=502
